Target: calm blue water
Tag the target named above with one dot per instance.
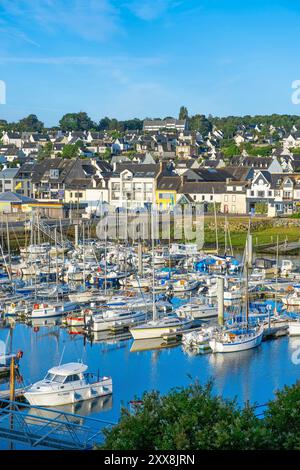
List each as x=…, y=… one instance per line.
x=251, y=375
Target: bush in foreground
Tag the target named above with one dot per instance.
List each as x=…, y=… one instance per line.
x=192, y=418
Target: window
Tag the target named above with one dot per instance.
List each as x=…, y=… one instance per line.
x=211, y=198
x=54, y=173
x=232, y=208
x=270, y=193
x=203, y=197
x=72, y=378
x=252, y=193
x=59, y=378
x=260, y=193
x=49, y=376
x=233, y=198
x=225, y=198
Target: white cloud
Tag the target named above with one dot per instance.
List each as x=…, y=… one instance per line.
x=118, y=68
x=92, y=20
x=149, y=9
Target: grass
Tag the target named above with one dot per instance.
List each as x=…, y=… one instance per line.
x=238, y=236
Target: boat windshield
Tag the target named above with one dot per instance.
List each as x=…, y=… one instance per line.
x=49, y=376
x=55, y=378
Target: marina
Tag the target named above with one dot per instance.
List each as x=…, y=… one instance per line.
x=128, y=313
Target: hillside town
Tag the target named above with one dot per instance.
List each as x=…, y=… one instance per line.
x=247, y=169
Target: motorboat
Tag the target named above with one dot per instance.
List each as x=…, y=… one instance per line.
x=197, y=311
x=44, y=310
x=198, y=338
x=158, y=327
x=116, y=318
x=68, y=383
x=184, y=285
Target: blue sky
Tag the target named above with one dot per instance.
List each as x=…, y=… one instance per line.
x=138, y=58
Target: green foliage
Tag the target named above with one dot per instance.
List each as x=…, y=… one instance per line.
x=45, y=152
x=277, y=120
x=76, y=122
x=282, y=419
x=186, y=418
x=200, y=123
x=183, y=113
x=30, y=124
x=107, y=154
x=192, y=418
x=263, y=151
x=70, y=151
x=121, y=126
x=261, y=208
x=231, y=150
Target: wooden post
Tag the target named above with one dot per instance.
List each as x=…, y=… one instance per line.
x=12, y=380
x=220, y=298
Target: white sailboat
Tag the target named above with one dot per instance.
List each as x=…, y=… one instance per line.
x=238, y=338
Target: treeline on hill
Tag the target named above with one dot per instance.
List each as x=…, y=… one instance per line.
x=199, y=122
x=193, y=418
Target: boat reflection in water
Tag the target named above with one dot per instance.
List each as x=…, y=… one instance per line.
x=151, y=343
x=107, y=337
x=40, y=322
x=79, y=409
x=232, y=362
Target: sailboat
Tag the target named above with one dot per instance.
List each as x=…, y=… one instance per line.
x=157, y=327
x=242, y=337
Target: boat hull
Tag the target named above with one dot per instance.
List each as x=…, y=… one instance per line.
x=294, y=328
x=65, y=397
x=154, y=332
x=223, y=347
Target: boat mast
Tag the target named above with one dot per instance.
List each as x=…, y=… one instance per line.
x=216, y=223
x=83, y=253
x=277, y=268
x=56, y=262
x=247, y=293
x=153, y=265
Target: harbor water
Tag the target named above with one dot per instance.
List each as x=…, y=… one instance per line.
x=252, y=375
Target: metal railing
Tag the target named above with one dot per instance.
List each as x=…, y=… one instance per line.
x=49, y=428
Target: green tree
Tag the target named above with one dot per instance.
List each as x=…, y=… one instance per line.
x=231, y=151
x=104, y=124
x=76, y=122
x=282, y=419
x=45, y=152
x=188, y=418
x=107, y=154
x=193, y=418
x=200, y=123
x=183, y=113
x=30, y=124
x=70, y=151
